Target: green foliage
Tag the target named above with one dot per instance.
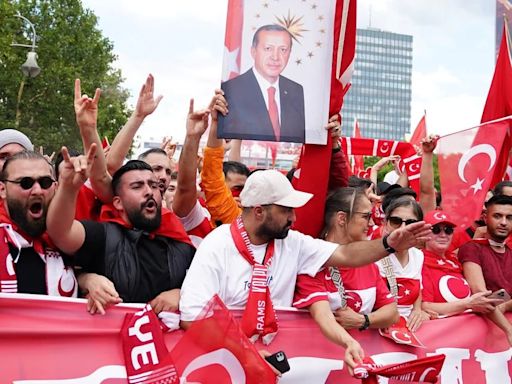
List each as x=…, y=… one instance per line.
x=70, y=46
x=370, y=160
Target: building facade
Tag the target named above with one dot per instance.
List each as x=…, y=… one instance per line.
x=380, y=95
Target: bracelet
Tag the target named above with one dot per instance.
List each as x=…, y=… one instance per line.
x=366, y=323
x=387, y=247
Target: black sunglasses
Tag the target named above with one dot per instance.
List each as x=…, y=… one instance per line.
x=27, y=182
x=448, y=229
x=396, y=221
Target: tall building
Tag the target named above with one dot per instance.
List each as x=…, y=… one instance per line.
x=380, y=95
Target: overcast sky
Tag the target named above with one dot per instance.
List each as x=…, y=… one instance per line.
x=181, y=44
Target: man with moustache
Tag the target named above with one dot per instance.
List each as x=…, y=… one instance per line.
x=254, y=261
x=487, y=262
x=136, y=253
x=161, y=164
x=29, y=262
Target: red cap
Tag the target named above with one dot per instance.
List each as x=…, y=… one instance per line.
x=436, y=217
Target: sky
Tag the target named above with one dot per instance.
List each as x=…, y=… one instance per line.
x=181, y=44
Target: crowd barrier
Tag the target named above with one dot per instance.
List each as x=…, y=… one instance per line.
x=55, y=341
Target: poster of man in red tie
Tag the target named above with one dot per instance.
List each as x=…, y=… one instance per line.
x=276, y=73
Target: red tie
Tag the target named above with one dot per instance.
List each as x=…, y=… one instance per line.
x=272, y=112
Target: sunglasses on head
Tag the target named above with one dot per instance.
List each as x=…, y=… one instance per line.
x=436, y=229
x=396, y=221
x=44, y=182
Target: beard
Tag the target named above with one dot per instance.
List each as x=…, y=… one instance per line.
x=18, y=213
x=269, y=231
x=140, y=221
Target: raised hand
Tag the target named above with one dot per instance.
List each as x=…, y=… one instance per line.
x=197, y=121
x=411, y=235
x=218, y=104
x=168, y=146
x=428, y=144
x=75, y=171
x=147, y=103
x=86, y=109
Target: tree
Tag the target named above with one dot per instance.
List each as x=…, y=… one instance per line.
x=70, y=45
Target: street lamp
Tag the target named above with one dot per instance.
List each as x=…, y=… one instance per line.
x=29, y=67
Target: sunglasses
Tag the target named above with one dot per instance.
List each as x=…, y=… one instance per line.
x=396, y=221
x=26, y=183
x=448, y=229
x=366, y=215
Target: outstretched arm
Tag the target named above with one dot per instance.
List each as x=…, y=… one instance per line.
x=146, y=105
x=369, y=252
x=86, y=111
x=186, y=192
x=427, y=189
x=67, y=233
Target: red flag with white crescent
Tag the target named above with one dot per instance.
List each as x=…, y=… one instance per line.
x=499, y=103
x=467, y=161
x=358, y=165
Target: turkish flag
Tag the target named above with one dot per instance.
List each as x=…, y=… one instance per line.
x=233, y=40
x=215, y=347
x=382, y=148
x=400, y=334
x=467, y=161
x=315, y=159
x=499, y=102
x=420, y=132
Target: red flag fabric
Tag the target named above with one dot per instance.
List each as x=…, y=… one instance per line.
x=420, y=132
x=315, y=159
x=466, y=167
x=382, y=148
x=499, y=102
x=425, y=370
x=233, y=39
x=359, y=159
x=145, y=354
x=216, y=336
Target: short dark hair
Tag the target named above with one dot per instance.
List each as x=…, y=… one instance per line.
x=235, y=167
x=270, y=27
x=404, y=201
x=132, y=165
x=174, y=175
x=498, y=188
x=359, y=182
x=498, y=200
x=23, y=155
x=59, y=159
x=395, y=194
x=145, y=154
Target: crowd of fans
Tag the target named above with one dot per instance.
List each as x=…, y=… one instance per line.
x=174, y=233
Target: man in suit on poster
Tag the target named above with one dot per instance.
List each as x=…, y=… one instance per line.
x=263, y=105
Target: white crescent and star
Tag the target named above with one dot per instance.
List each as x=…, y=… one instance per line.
x=466, y=157
x=425, y=373
x=439, y=216
x=405, y=339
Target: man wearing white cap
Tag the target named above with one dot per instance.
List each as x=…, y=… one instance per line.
x=253, y=263
x=12, y=142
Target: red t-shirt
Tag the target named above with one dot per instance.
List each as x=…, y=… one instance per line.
x=496, y=267
x=364, y=288
x=442, y=279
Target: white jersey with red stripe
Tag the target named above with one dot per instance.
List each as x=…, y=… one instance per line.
x=408, y=279
x=364, y=288
x=197, y=223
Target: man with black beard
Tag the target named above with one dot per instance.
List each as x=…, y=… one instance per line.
x=253, y=262
x=136, y=253
x=29, y=262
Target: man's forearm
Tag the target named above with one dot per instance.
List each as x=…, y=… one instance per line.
x=186, y=192
x=123, y=142
x=357, y=254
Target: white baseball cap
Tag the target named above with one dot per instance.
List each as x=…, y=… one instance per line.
x=271, y=187
x=12, y=136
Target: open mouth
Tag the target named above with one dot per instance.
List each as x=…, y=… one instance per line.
x=150, y=206
x=36, y=209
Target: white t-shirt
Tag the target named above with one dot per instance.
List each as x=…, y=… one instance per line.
x=218, y=268
x=197, y=224
x=408, y=279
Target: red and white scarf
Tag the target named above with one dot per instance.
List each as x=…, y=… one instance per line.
x=146, y=357
x=259, y=318
x=60, y=279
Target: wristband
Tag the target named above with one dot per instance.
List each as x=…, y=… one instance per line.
x=386, y=245
x=366, y=323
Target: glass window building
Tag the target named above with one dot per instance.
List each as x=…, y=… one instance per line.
x=380, y=95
